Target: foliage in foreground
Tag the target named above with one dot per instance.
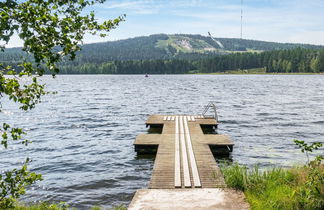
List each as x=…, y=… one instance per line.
x=277, y=188
x=42, y=206
x=51, y=31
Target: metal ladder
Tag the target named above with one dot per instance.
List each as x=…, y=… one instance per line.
x=213, y=107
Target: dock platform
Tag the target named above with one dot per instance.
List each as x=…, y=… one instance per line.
x=184, y=147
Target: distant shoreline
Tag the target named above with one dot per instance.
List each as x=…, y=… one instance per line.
x=258, y=71
x=212, y=73
x=224, y=73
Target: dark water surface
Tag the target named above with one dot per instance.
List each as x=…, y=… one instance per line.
x=82, y=136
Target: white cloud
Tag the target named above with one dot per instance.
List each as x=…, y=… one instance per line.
x=312, y=37
x=133, y=7
x=15, y=41
x=124, y=5
x=271, y=20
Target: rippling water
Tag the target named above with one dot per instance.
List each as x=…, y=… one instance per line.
x=82, y=136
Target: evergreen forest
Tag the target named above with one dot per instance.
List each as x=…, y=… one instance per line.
x=181, y=54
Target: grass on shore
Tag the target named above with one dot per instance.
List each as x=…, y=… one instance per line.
x=294, y=188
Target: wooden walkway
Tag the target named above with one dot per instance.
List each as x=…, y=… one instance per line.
x=184, y=158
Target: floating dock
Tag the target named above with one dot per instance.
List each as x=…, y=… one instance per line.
x=185, y=169
x=184, y=153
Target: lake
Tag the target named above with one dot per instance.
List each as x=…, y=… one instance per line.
x=83, y=135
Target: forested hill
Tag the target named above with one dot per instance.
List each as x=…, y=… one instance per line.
x=162, y=46
x=179, y=54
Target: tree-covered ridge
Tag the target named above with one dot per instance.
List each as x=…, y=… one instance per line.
x=162, y=54
x=281, y=61
x=163, y=47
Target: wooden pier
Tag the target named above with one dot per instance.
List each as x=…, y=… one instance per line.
x=185, y=174
x=184, y=151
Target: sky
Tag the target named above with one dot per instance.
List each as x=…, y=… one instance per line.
x=295, y=21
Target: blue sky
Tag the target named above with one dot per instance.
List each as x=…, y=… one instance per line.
x=270, y=20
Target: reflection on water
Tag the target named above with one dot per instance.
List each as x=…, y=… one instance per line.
x=83, y=136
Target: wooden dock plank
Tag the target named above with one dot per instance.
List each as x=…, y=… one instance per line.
x=183, y=156
x=177, y=174
x=192, y=159
x=169, y=128
x=185, y=164
x=143, y=139
x=219, y=139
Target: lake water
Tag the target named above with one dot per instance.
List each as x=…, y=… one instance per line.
x=83, y=135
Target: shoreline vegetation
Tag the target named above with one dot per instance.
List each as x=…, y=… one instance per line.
x=256, y=71
x=278, y=188
x=299, y=187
